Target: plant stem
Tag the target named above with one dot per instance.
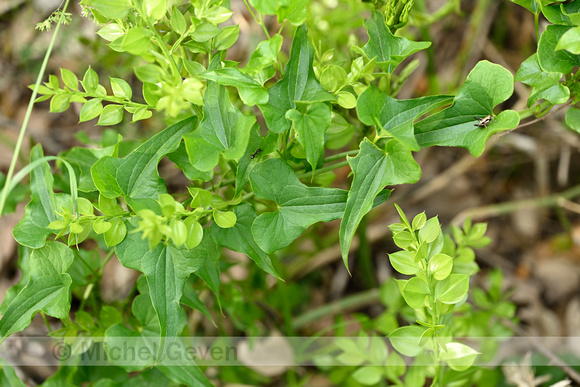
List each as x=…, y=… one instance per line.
x=508, y=207
x=328, y=168
x=259, y=20
x=364, y=256
x=161, y=44
x=355, y=301
x=18, y=145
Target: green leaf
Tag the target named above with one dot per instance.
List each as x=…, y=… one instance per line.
x=430, y=231
x=90, y=81
x=166, y=269
x=459, y=356
x=265, y=55
x=570, y=41
x=486, y=86
x=406, y=340
x=104, y=173
x=440, y=266
x=224, y=219
x=149, y=74
x=100, y=226
x=299, y=206
x=239, y=238
x=121, y=88
x=419, y=221
x=155, y=8
x=310, y=127
x=210, y=271
x=551, y=60
x=373, y=169
x=216, y=15
x=112, y=9
x=573, y=119
x=91, y=109
x=137, y=41
x=116, y=233
x=266, y=145
x=111, y=32
x=415, y=292
x=452, y=289
x=333, y=77
x=137, y=174
x=224, y=131
x=47, y=290
x=205, y=32
x=194, y=232
x=59, y=102
x=404, y=262
x=530, y=5
x=388, y=50
x=368, y=375
x=298, y=85
x=251, y=91
x=181, y=160
x=191, y=299
x=70, y=79
x=544, y=85
x=83, y=159
x=294, y=11
x=141, y=114
x=178, y=22
x=8, y=376
x=393, y=117
x=111, y=115
x=346, y=100
x=227, y=38
x=266, y=7
x=32, y=229
x=189, y=375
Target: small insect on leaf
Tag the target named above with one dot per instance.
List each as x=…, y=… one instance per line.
x=483, y=122
x=255, y=153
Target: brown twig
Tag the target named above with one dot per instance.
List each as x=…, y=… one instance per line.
x=537, y=119
x=552, y=357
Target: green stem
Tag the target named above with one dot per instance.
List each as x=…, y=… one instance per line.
x=308, y=175
x=426, y=36
x=161, y=44
x=18, y=145
x=536, y=25
x=509, y=207
x=339, y=156
x=365, y=260
x=258, y=20
x=107, y=259
x=355, y=301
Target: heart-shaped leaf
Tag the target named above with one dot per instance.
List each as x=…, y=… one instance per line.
x=486, y=86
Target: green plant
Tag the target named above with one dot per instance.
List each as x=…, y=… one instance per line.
x=434, y=301
x=254, y=188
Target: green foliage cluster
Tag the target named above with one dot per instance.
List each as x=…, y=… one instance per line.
x=259, y=143
x=434, y=301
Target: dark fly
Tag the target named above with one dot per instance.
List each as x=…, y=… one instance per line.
x=255, y=153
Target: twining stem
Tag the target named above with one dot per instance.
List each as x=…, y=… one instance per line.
x=18, y=145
